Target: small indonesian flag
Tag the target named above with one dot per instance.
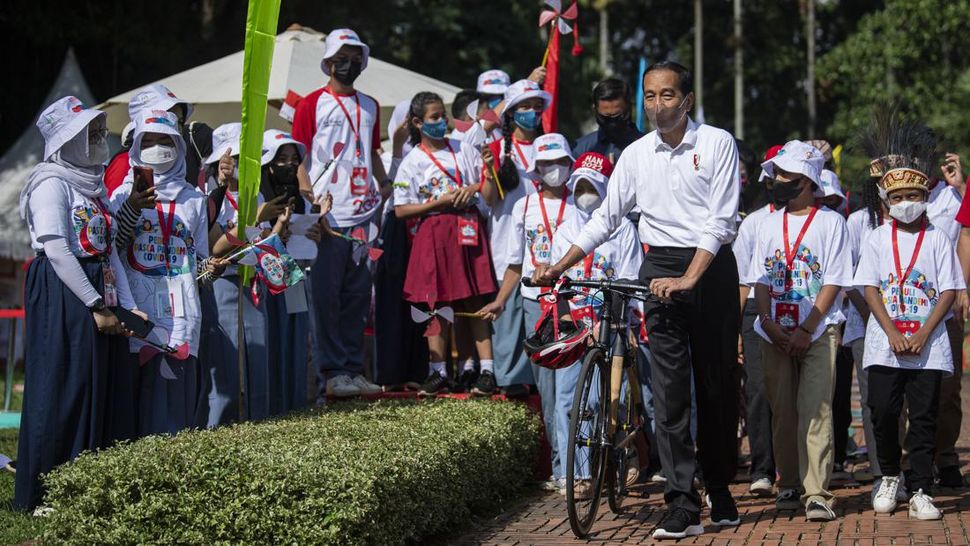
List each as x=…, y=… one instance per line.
x=289, y=105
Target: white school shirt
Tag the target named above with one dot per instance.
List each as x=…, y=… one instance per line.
x=528, y=242
x=822, y=259
x=942, y=206
x=500, y=213
x=859, y=230
x=936, y=270
x=144, y=263
x=688, y=196
x=744, y=243
x=418, y=180
x=321, y=123
x=228, y=217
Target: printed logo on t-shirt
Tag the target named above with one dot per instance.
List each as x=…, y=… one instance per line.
x=147, y=253
x=90, y=229
x=436, y=184
x=539, y=243
x=918, y=298
x=803, y=281
x=600, y=265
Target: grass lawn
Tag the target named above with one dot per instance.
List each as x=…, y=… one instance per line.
x=15, y=527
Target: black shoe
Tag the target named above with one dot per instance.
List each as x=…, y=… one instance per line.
x=516, y=391
x=435, y=384
x=485, y=386
x=466, y=381
x=679, y=523
x=724, y=513
x=949, y=476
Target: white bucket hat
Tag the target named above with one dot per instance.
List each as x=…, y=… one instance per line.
x=550, y=147
x=523, y=90
x=273, y=139
x=797, y=157
x=339, y=38
x=829, y=185
x=224, y=137
x=493, y=82
x=62, y=121
x=157, y=97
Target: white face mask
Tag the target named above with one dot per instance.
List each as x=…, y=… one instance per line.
x=554, y=175
x=907, y=211
x=588, y=202
x=159, y=157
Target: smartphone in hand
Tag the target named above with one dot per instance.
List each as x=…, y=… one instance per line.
x=138, y=326
x=144, y=178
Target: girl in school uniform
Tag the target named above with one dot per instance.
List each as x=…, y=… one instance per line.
x=514, y=159
x=223, y=400
x=535, y=220
x=450, y=263
x=164, y=249
x=72, y=335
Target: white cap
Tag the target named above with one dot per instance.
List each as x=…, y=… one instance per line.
x=550, y=147
x=829, y=185
x=594, y=167
x=523, y=90
x=224, y=137
x=62, y=121
x=157, y=97
x=273, y=139
x=493, y=82
x=797, y=157
x=339, y=38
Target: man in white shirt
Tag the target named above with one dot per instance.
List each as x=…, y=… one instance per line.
x=684, y=178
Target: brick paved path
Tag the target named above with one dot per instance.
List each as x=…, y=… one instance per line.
x=542, y=519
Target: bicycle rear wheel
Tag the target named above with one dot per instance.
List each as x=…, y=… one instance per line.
x=586, y=458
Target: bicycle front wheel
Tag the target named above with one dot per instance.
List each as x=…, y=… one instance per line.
x=587, y=454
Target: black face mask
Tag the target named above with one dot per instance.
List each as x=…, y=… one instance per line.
x=618, y=129
x=783, y=192
x=347, y=71
x=283, y=180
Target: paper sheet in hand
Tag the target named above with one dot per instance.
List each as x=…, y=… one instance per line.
x=301, y=248
x=300, y=223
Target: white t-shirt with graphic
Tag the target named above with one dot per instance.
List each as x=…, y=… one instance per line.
x=500, y=214
x=168, y=294
x=744, y=243
x=942, y=207
x=859, y=230
x=936, y=270
x=83, y=225
x=823, y=258
x=529, y=243
x=420, y=181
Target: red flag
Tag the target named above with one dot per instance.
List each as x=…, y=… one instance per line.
x=550, y=118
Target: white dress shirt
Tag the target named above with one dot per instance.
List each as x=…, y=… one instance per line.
x=687, y=196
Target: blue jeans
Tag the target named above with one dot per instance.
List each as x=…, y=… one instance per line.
x=508, y=332
x=545, y=380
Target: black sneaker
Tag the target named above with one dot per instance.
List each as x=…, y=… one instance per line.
x=724, y=513
x=516, y=391
x=949, y=476
x=485, y=386
x=435, y=384
x=466, y=381
x=679, y=523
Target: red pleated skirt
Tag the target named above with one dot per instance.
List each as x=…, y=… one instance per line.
x=441, y=269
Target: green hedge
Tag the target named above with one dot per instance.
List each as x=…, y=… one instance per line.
x=385, y=473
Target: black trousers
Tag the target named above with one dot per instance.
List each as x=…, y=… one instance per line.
x=921, y=388
x=758, y=408
x=697, y=331
x=842, y=404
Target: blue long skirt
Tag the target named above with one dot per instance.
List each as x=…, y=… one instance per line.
x=169, y=405
x=289, y=344
x=224, y=361
x=66, y=397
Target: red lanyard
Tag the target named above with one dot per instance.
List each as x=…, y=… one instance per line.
x=588, y=266
x=900, y=275
x=525, y=163
x=441, y=167
x=232, y=202
x=353, y=129
x=166, y=229
x=107, y=223
x=545, y=217
x=790, y=252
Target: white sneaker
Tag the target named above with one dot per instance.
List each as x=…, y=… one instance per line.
x=761, y=488
x=921, y=507
x=342, y=386
x=365, y=386
x=884, y=502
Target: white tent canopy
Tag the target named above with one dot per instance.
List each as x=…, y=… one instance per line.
x=28, y=151
x=215, y=88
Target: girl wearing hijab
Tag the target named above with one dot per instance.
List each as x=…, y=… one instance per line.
x=163, y=252
x=71, y=331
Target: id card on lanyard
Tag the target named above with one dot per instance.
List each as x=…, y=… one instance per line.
x=168, y=303
x=359, y=175
x=787, y=313
x=906, y=327
x=549, y=232
x=107, y=272
x=467, y=221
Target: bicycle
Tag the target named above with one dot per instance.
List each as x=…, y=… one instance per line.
x=604, y=437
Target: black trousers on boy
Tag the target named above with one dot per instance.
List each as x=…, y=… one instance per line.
x=921, y=388
x=696, y=331
x=756, y=397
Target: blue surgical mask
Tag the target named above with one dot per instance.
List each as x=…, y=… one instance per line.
x=527, y=119
x=492, y=103
x=435, y=129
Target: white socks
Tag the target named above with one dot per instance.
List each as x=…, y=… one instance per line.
x=469, y=365
x=488, y=366
x=440, y=368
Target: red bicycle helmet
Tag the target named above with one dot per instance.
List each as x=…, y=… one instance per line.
x=556, y=343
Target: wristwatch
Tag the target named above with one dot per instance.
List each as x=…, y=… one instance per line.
x=98, y=305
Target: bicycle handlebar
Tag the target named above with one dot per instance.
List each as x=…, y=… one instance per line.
x=623, y=286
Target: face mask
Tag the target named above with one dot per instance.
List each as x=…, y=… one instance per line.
x=588, y=202
x=527, y=119
x=492, y=103
x=907, y=211
x=159, y=157
x=783, y=192
x=283, y=179
x=347, y=71
x=666, y=119
x=554, y=175
x=435, y=129
x=83, y=151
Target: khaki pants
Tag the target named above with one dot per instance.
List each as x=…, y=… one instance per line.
x=800, y=394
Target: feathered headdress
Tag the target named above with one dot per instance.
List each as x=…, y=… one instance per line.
x=902, y=153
